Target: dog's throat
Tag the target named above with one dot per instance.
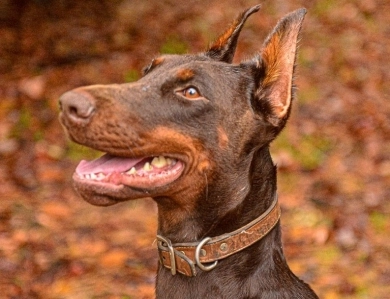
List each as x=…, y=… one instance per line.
x=184, y=257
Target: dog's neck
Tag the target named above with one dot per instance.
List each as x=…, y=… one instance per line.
x=263, y=259
x=252, y=194
x=249, y=197
x=225, y=205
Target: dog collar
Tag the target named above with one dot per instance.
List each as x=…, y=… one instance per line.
x=184, y=257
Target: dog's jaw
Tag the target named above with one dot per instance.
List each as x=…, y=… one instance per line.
x=116, y=175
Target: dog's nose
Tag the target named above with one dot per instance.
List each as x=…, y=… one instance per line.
x=76, y=106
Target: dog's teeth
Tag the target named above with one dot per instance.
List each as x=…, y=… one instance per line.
x=171, y=162
x=100, y=176
x=88, y=176
x=147, y=166
x=93, y=176
x=159, y=162
x=132, y=171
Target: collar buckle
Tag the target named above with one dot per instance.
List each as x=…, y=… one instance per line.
x=166, y=244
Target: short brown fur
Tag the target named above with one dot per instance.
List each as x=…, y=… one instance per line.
x=219, y=136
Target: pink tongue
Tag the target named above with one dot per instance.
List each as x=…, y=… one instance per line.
x=106, y=164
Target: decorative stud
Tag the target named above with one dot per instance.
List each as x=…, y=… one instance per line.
x=223, y=247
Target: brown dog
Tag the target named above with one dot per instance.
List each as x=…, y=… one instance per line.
x=193, y=133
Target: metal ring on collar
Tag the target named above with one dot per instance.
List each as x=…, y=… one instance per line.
x=197, y=256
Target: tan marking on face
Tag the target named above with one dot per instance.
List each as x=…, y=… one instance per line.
x=223, y=139
x=185, y=74
x=157, y=61
x=194, y=178
x=169, y=140
x=203, y=166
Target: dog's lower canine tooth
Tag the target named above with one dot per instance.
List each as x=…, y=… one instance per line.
x=132, y=171
x=159, y=162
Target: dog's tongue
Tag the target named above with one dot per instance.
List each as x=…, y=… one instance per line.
x=106, y=164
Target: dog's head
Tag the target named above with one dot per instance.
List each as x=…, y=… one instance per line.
x=189, y=121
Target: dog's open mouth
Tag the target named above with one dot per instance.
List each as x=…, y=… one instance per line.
x=141, y=173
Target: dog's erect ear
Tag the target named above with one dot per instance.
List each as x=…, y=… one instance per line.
x=224, y=47
x=274, y=69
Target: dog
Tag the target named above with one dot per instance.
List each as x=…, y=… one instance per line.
x=193, y=134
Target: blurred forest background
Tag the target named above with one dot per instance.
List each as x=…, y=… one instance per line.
x=333, y=157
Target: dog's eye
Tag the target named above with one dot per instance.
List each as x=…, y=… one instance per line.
x=191, y=93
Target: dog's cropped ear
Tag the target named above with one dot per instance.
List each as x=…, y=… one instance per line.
x=274, y=70
x=224, y=47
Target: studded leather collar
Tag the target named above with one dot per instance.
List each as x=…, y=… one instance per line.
x=185, y=258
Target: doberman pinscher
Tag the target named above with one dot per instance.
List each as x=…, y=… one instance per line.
x=193, y=133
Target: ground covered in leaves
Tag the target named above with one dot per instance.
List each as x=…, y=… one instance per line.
x=333, y=157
